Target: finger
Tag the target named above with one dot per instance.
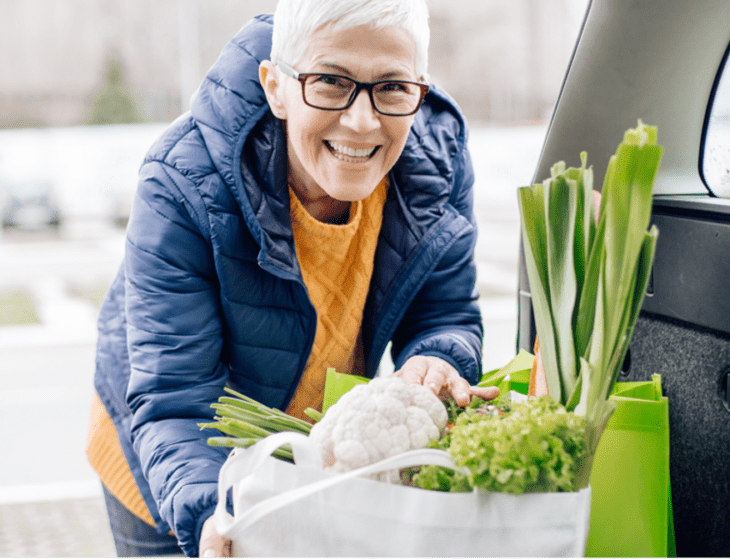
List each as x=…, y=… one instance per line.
x=220, y=548
x=413, y=371
x=437, y=376
x=460, y=390
x=485, y=393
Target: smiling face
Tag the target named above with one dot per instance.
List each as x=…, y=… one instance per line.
x=341, y=156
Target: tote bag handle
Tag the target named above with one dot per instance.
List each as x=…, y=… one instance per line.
x=240, y=467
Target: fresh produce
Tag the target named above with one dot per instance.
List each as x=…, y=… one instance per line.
x=535, y=446
x=376, y=420
x=370, y=422
x=588, y=281
x=505, y=446
x=246, y=421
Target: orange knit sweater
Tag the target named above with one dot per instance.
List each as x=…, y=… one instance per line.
x=106, y=456
x=337, y=263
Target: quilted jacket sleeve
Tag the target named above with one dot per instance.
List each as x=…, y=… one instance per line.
x=444, y=319
x=174, y=339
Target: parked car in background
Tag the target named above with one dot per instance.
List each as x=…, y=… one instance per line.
x=667, y=63
x=30, y=205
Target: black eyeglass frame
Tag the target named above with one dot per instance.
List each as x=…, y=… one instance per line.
x=359, y=86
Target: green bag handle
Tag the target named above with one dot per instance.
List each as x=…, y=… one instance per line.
x=337, y=384
x=514, y=376
x=649, y=410
x=517, y=372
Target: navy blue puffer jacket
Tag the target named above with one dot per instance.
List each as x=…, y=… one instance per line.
x=210, y=292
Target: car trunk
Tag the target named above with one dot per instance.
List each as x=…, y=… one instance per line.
x=659, y=62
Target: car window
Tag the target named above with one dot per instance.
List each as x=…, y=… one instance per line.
x=716, y=155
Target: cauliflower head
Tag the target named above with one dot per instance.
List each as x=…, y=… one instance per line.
x=373, y=421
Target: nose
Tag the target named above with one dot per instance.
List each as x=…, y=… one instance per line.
x=361, y=116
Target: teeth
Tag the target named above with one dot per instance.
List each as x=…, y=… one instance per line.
x=344, y=150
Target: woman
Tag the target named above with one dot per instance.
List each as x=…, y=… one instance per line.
x=315, y=205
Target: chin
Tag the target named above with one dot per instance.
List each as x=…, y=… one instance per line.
x=351, y=185
x=353, y=192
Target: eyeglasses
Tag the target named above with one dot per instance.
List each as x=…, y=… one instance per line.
x=332, y=92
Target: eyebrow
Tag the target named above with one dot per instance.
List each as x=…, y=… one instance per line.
x=391, y=75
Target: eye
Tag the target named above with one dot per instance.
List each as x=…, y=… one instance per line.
x=394, y=87
x=331, y=80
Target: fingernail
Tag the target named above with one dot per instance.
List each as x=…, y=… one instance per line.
x=210, y=553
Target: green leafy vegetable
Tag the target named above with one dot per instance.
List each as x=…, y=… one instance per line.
x=535, y=446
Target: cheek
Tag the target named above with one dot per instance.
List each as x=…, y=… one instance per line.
x=398, y=136
x=300, y=141
x=306, y=132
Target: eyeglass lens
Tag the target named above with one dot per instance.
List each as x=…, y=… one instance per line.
x=333, y=92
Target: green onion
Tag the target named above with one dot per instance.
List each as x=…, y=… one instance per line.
x=314, y=414
x=245, y=421
x=588, y=281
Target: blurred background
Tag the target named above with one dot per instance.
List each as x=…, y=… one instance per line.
x=86, y=86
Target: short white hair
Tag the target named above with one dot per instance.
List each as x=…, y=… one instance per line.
x=296, y=20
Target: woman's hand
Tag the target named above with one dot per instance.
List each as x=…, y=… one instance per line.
x=441, y=377
x=212, y=544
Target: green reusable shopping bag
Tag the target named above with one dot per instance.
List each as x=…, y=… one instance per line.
x=631, y=506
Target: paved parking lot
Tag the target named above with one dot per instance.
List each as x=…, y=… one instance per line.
x=61, y=528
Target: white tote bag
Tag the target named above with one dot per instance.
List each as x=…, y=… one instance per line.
x=285, y=509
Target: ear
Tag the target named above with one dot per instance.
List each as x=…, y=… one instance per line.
x=272, y=88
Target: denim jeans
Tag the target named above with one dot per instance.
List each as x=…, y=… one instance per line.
x=134, y=537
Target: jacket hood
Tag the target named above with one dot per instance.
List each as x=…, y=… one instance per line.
x=230, y=100
x=230, y=109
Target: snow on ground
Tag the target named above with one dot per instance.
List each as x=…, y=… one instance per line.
x=89, y=167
